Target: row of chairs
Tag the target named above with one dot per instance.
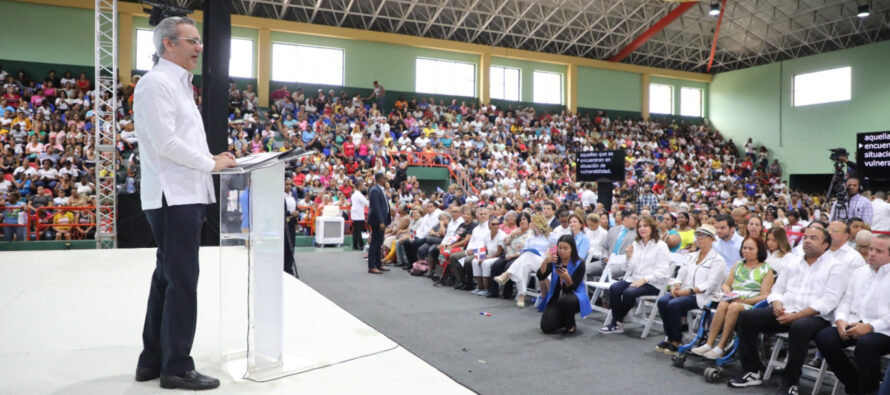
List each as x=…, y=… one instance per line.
x=645, y=315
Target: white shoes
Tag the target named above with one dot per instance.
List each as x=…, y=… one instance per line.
x=713, y=353
x=701, y=350
x=520, y=301
x=502, y=279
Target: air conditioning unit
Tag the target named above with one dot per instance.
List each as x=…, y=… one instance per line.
x=329, y=230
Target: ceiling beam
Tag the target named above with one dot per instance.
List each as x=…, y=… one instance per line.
x=716, y=34
x=670, y=17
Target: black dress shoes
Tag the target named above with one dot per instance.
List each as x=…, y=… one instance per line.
x=146, y=374
x=191, y=380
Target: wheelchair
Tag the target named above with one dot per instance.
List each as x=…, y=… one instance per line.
x=716, y=373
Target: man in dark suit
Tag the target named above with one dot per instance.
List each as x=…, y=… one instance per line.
x=549, y=211
x=378, y=219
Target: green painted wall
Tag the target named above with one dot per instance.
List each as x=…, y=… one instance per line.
x=392, y=65
x=756, y=103
x=678, y=84
x=46, y=34
x=526, y=75
x=609, y=90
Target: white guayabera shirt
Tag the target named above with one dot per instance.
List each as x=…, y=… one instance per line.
x=175, y=160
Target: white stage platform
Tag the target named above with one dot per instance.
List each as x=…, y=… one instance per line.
x=71, y=323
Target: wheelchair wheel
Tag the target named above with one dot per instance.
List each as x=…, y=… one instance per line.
x=713, y=375
x=678, y=360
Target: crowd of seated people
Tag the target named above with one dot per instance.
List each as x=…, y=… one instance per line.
x=520, y=219
x=47, y=156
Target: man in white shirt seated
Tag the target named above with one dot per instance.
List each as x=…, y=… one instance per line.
x=493, y=244
x=840, y=248
x=428, y=222
x=807, y=291
x=477, y=239
x=862, y=319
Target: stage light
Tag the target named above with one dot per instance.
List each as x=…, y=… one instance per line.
x=715, y=9
x=863, y=11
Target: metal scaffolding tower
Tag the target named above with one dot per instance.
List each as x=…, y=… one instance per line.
x=105, y=122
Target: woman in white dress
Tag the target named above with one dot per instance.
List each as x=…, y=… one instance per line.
x=529, y=260
x=780, y=255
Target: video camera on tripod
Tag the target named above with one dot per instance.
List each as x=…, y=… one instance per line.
x=837, y=188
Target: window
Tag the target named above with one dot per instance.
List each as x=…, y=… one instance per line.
x=504, y=83
x=241, y=58
x=444, y=77
x=661, y=99
x=547, y=87
x=301, y=63
x=144, y=49
x=690, y=102
x=822, y=87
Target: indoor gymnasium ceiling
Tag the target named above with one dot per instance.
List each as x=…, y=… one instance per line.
x=753, y=32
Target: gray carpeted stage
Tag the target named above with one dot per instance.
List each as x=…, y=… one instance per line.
x=505, y=353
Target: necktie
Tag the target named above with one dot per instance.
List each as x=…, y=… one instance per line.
x=619, y=241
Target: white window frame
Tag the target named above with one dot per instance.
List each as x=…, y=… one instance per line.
x=700, y=110
x=651, y=97
x=539, y=97
x=453, y=85
x=295, y=75
x=811, y=95
x=504, y=85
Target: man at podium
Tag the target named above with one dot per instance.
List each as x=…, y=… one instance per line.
x=176, y=189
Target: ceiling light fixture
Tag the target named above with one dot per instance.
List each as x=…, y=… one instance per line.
x=715, y=9
x=863, y=11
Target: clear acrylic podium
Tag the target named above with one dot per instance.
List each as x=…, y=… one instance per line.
x=251, y=332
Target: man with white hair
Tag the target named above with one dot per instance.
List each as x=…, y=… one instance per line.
x=176, y=189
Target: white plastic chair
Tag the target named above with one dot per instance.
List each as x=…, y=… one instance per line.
x=604, y=283
x=647, y=306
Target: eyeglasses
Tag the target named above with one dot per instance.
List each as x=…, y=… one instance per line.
x=191, y=40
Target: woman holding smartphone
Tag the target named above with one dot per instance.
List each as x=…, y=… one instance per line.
x=568, y=294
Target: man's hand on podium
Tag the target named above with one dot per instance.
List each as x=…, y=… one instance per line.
x=224, y=160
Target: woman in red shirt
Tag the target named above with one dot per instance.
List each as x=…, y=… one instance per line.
x=83, y=84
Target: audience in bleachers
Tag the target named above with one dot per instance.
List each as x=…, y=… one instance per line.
x=515, y=195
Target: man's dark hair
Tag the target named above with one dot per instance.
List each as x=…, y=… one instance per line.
x=562, y=212
x=728, y=218
x=794, y=213
x=626, y=213
x=551, y=204
x=825, y=235
x=379, y=176
x=854, y=219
